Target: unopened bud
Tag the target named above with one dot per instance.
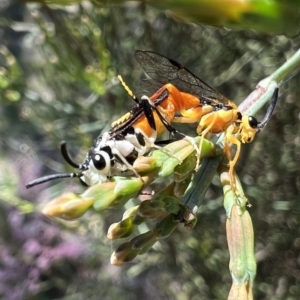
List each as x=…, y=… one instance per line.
x=121, y=229
x=145, y=164
x=68, y=206
x=240, y=238
x=144, y=240
x=166, y=226
x=124, y=253
x=151, y=208
x=240, y=291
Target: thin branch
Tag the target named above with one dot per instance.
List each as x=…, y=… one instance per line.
x=265, y=88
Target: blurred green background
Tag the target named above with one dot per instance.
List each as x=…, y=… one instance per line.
x=58, y=68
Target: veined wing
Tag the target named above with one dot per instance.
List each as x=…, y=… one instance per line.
x=163, y=70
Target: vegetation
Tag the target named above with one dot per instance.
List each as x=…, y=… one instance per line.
x=58, y=81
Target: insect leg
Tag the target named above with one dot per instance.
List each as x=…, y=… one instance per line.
x=147, y=108
x=203, y=134
x=230, y=138
x=150, y=106
x=173, y=131
x=125, y=162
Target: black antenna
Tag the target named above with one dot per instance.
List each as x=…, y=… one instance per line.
x=51, y=177
x=66, y=156
x=269, y=112
x=272, y=105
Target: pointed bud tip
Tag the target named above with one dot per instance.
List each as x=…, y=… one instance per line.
x=115, y=261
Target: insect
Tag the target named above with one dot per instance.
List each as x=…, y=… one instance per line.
x=214, y=113
x=114, y=151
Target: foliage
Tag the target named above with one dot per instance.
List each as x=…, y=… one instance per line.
x=264, y=16
x=58, y=82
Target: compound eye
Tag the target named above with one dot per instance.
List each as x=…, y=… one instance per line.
x=253, y=122
x=99, y=161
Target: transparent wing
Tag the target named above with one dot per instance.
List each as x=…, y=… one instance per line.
x=163, y=70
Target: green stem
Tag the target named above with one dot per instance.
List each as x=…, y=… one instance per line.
x=292, y=64
x=201, y=182
x=265, y=88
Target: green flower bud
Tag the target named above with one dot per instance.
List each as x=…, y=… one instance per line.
x=103, y=194
x=144, y=240
x=240, y=238
x=240, y=291
x=130, y=212
x=231, y=196
x=121, y=229
x=128, y=186
x=124, y=253
x=166, y=226
x=145, y=164
x=68, y=206
x=151, y=208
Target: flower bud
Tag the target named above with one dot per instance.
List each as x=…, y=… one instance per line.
x=121, y=229
x=68, y=206
x=124, y=253
x=144, y=240
x=145, y=164
x=166, y=226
